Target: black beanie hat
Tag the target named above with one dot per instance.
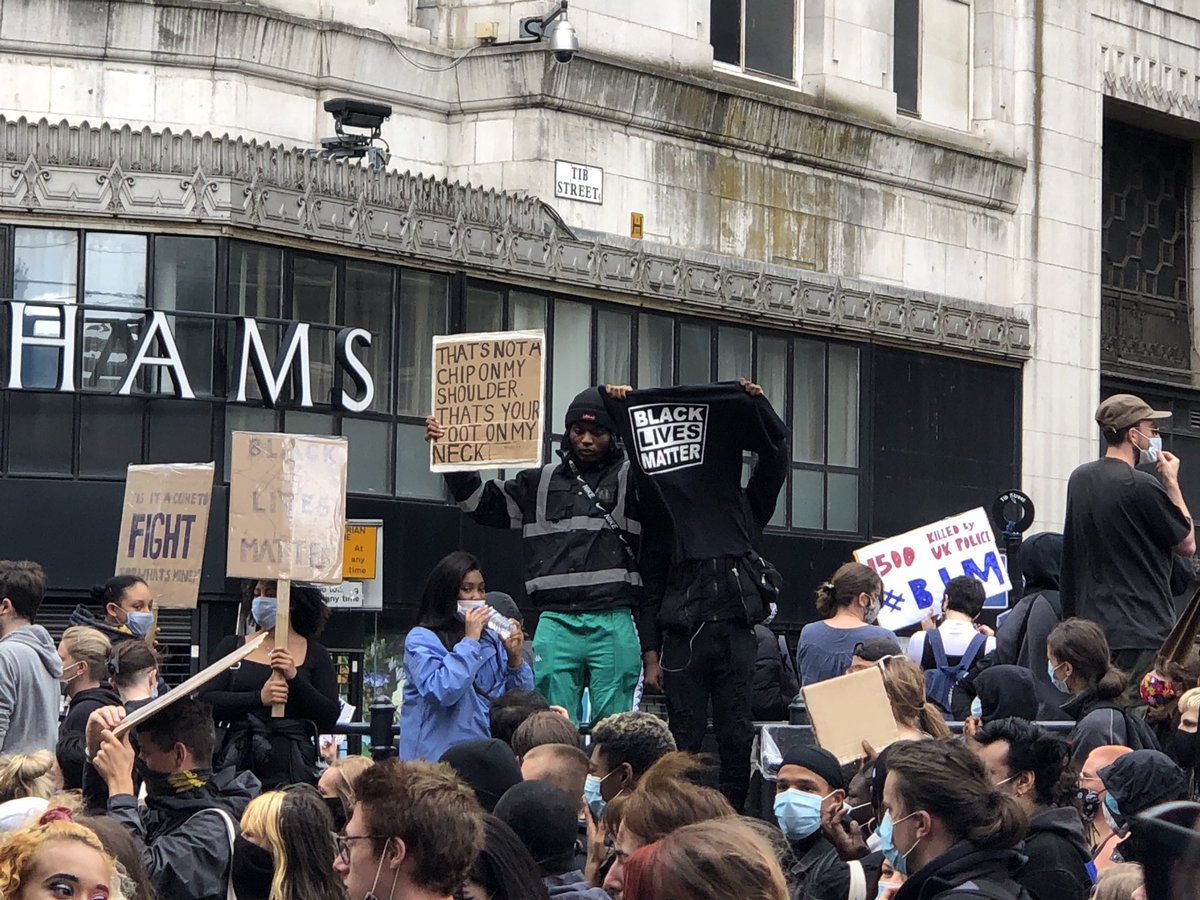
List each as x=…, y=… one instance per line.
x=588, y=408
x=819, y=761
x=488, y=766
x=546, y=819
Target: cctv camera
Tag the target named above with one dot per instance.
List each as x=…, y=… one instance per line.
x=350, y=113
x=564, y=42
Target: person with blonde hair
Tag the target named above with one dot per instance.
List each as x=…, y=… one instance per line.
x=336, y=785
x=84, y=654
x=1182, y=746
x=1119, y=882
x=286, y=848
x=56, y=857
x=706, y=861
x=917, y=718
x=27, y=781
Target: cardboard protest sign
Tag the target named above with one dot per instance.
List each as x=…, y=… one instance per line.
x=915, y=566
x=489, y=395
x=197, y=681
x=164, y=523
x=848, y=710
x=287, y=507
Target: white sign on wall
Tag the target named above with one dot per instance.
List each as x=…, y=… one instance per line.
x=575, y=181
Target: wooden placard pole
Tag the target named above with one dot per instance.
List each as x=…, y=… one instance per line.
x=201, y=678
x=283, y=631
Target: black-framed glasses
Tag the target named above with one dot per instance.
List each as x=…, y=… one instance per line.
x=341, y=843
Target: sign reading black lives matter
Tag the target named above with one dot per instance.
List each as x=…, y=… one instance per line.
x=287, y=507
x=163, y=528
x=669, y=436
x=489, y=394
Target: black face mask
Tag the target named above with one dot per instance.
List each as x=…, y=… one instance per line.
x=252, y=870
x=337, y=812
x=1183, y=748
x=1089, y=802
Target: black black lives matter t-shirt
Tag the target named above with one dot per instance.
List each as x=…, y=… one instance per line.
x=686, y=445
x=1118, y=537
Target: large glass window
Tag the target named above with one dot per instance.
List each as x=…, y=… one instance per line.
x=695, y=353
x=114, y=276
x=656, y=351
x=255, y=290
x=483, y=309
x=756, y=35
x=571, y=347
x=314, y=300
x=45, y=271
x=185, y=276
x=613, y=343
x=369, y=444
x=423, y=312
x=735, y=354
x=369, y=305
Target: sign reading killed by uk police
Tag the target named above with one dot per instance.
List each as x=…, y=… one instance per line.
x=164, y=523
x=916, y=566
x=489, y=395
x=669, y=436
x=575, y=181
x=287, y=507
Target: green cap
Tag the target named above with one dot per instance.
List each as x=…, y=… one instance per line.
x=1122, y=410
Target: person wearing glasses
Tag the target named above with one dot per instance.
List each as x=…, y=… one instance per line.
x=1123, y=527
x=414, y=833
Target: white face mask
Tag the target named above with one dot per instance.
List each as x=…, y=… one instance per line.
x=1149, y=455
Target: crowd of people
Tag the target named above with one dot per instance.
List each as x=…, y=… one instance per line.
x=1051, y=757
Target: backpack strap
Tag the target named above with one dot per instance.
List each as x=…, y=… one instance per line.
x=933, y=639
x=858, y=881
x=231, y=832
x=968, y=658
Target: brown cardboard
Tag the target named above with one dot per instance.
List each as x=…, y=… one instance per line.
x=489, y=395
x=848, y=710
x=287, y=507
x=164, y=523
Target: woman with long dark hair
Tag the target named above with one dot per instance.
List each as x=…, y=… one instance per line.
x=454, y=664
x=286, y=848
x=504, y=868
x=278, y=751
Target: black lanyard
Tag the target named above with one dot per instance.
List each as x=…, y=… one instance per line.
x=608, y=519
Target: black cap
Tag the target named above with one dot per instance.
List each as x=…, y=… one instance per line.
x=819, y=761
x=588, y=408
x=488, y=766
x=876, y=648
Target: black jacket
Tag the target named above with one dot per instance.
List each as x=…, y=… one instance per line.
x=1021, y=639
x=574, y=562
x=71, y=749
x=775, y=682
x=1058, y=857
x=187, y=855
x=965, y=872
x=1099, y=723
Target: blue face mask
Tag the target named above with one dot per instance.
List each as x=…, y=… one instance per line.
x=898, y=860
x=1112, y=814
x=798, y=813
x=1059, y=684
x=139, y=623
x=977, y=708
x=262, y=610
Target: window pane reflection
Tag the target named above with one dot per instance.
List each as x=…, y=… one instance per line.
x=413, y=478
x=526, y=312
x=185, y=281
x=572, y=356
x=45, y=262
x=422, y=314
x=843, y=405
x=612, y=347
x=369, y=443
x=842, y=509
x=114, y=270
x=808, y=498
x=255, y=290
x=483, y=309
x=808, y=402
x=695, y=353
x=734, y=354
x=314, y=300
x=656, y=352
x=369, y=305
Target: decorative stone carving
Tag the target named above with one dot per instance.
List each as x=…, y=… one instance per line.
x=1137, y=78
x=146, y=178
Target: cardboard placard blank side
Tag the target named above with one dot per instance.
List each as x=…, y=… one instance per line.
x=1179, y=643
x=850, y=709
x=197, y=681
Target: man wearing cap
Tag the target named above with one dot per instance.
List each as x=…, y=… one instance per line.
x=869, y=652
x=1122, y=527
x=809, y=778
x=581, y=532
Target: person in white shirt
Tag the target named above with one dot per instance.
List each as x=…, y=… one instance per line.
x=961, y=605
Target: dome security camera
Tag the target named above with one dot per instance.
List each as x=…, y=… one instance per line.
x=564, y=42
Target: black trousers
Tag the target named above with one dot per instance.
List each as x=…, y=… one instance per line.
x=716, y=663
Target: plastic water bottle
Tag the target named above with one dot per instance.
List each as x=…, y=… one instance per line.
x=502, y=626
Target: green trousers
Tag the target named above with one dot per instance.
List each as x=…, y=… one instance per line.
x=596, y=650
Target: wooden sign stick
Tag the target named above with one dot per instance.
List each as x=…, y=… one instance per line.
x=283, y=630
x=201, y=678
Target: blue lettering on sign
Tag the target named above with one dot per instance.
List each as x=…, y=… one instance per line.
x=990, y=562
x=892, y=600
x=921, y=593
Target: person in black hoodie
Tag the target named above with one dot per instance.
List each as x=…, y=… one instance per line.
x=1136, y=782
x=706, y=586
x=1031, y=764
x=84, y=654
x=187, y=827
x=947, y=827
x=1021, y=638
x=775, y=679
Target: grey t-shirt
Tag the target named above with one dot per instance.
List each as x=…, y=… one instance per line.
x=1120, y=529
x=825, y=652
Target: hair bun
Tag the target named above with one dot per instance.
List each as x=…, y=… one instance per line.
x=98, y=592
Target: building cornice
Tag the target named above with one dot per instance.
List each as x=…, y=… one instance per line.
x=78, y=171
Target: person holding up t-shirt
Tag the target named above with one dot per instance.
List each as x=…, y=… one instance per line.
x=702, y=575
x=1122, y=527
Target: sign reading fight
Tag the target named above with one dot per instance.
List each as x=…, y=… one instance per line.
x=669, y=436
x=489, y=395
x=287, y=507
x=163, y=527
x=915, y=566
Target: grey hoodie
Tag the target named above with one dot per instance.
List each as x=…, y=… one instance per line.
x=29, y=691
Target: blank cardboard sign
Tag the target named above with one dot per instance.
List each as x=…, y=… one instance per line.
x=848, y=710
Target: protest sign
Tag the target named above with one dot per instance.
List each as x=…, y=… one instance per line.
x=197, y=681
x=915, y=566
x=287, y=507
x=164, y=523
x=489, y=395
x=850, y=709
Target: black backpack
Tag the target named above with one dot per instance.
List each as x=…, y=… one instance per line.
x=940, y=681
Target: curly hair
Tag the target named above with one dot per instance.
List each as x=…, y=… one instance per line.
x=638, y=738
x=22, y=846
